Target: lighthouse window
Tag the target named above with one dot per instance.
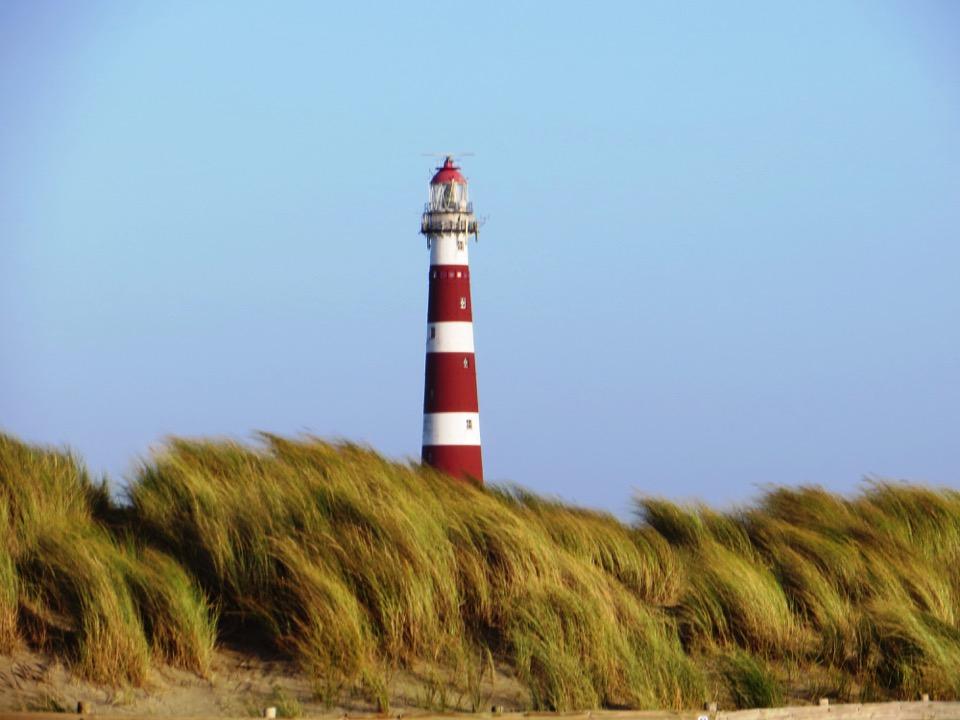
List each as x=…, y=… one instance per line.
x=434, y=274
x=433, y=333
x=463, y=303
x=459, y=244
x=459, y=274
x=469, y=424
x=466, y=363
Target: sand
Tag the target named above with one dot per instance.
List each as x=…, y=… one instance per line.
x=239, y=685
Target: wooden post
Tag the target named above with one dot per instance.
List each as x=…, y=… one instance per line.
x=925, y=698
x=710, y=707
x=824, y=702
x=270, y=713
x=83, y=708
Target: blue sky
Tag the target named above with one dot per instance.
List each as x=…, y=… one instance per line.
x=722, y=244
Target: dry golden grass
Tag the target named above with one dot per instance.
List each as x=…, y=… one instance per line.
x=71, y=584
x=355, y=566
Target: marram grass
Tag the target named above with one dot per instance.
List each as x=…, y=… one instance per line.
x=355, y=566
x=75, y=585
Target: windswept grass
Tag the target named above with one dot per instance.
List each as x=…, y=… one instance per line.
x=355, y=567
x=70, y=584
x=752, y=684
x=867, y=587
x=353, y=564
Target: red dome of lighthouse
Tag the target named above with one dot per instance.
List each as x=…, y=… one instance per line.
x=449, y=173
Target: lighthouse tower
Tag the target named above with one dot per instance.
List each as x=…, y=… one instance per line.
x=451, y=419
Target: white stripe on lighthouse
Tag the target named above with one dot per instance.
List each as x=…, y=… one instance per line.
x=450, y=337
x=451, y=428
x=449, y=249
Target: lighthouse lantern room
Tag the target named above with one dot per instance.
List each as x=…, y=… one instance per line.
x=451, y=419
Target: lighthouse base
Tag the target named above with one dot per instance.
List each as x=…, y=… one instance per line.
x=460, y=461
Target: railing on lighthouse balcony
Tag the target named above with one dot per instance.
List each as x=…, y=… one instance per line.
x=448, y=211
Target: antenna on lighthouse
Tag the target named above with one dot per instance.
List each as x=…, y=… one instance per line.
x=451, y=156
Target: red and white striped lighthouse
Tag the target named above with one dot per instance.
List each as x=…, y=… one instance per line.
x=451, y=418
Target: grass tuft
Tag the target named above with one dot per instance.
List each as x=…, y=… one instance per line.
x=752, y=684
x=70, y=584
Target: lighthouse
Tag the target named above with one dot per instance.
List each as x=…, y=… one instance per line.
x=451, y=418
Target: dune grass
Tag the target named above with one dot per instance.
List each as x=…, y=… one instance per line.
x=74, y=585
x=353, y=564
x=355, y=567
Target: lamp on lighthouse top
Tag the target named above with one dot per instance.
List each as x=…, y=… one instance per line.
x=448, y=189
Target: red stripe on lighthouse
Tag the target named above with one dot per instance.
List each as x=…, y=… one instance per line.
x=449, y=294
x=463, y=461
x=450, y=383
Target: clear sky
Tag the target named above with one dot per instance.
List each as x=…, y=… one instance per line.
x=722, y=246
